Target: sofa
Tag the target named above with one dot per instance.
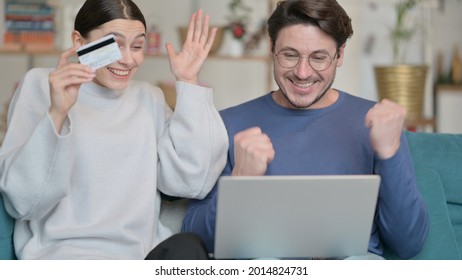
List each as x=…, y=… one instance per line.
x=438, y=164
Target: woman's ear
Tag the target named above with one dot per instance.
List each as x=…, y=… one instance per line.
x=77, y=39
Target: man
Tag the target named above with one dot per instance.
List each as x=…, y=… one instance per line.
x=308, y=128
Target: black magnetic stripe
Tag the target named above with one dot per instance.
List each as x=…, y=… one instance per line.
x=97, y=46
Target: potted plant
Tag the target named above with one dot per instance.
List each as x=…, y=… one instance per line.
x=403, y=30
x=238, y=18
x=402, y=82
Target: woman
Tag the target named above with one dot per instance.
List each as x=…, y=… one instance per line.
x=87, y=151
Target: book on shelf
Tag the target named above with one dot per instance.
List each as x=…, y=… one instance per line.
x=29, y=25
x=29, y=37
x=29, y=22
x=26, y=9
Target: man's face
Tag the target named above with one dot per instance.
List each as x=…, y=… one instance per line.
x=303, y=87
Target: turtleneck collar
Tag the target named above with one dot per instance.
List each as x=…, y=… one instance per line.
x=102, y=92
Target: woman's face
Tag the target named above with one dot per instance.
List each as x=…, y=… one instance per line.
x=130, y=35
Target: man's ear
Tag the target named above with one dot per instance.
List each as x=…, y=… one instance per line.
x=340, y=55
x=77, y=39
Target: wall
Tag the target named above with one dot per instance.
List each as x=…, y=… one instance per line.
x=237, y=81
x=442, y=22
x=233, y=81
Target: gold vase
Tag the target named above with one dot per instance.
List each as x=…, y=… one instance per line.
x=403, y=84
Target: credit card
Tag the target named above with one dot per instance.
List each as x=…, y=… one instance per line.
x=99, y=53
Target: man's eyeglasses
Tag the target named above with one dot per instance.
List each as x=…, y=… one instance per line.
x=319, y=61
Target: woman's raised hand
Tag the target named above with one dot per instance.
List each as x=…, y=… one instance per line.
x=187, y=64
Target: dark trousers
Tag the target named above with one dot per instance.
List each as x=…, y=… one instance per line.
x=181, y=246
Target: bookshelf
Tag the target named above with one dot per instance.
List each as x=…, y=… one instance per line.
x=28, y=23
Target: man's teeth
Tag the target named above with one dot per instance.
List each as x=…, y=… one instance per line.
x=303, y=85
x=119, y=72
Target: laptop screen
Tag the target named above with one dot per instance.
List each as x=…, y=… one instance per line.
x=294, y=216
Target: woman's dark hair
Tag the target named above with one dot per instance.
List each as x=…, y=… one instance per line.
x=95, y=13
x=325, y=14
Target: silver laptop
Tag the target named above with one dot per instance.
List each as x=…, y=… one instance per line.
x=294, y=216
